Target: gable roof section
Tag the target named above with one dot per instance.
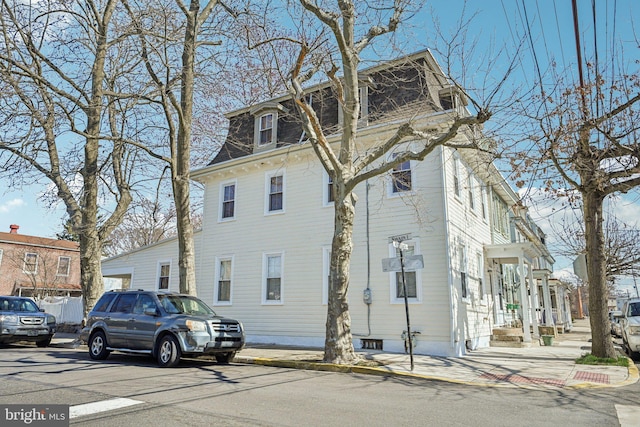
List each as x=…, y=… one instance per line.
x=43, y=242
x=396, y=89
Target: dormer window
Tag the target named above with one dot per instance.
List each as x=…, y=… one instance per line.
x=452, y=99
x=363, y=113
x=266, y=125
x=266, y=129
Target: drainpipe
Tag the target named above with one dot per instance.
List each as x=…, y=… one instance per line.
x=448, y=250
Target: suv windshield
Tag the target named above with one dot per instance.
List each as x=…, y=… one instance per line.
x=634, y=309
x=182, y=304
x=18, y=305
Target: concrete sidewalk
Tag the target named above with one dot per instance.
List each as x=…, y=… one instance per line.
x=534, y=367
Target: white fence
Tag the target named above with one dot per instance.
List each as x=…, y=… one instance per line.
x=68, y=310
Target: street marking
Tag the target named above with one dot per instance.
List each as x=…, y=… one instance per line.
x=103, y=406
x=628, y=416
x=593, y=377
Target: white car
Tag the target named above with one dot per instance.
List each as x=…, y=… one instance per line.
x=630, y=326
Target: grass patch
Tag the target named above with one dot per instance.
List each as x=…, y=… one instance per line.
x=590, y=359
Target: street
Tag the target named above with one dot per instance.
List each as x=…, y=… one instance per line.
x=200, y=392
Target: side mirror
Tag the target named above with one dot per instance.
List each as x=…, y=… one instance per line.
x=617, y=314
x=150, y=311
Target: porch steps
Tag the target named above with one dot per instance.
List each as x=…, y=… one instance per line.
x=510, y=337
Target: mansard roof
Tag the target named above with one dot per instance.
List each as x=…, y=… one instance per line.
x=396, y=89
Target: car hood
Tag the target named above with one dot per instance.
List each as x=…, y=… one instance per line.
x=24, y=313
x=634, y=320
x=207, y=318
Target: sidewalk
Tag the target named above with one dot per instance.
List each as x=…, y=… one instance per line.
x=535, y=367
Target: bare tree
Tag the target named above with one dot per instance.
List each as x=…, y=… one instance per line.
x=335, y=37
x=171, y=34
x=622, y=246
x=587, y=136
x=147, y=222
x=66, y=109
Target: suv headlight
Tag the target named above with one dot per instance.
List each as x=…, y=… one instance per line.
x=634, y=330
x=9, y=318
x=196, y=326
x=51, y=320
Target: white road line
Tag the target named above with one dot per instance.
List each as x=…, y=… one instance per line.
x=628, y=416
x=102, y=406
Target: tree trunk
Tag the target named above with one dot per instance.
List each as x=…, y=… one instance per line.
x=90, y=269
x=601, y=343
x=181, y=173
x=338, y=346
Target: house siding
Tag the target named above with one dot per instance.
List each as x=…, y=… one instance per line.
x=439, y=223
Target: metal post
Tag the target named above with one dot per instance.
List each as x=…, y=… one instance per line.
x=406, y=305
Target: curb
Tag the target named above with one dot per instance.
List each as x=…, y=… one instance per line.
x=632, y=369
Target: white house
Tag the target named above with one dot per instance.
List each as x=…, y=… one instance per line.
x=263, y=252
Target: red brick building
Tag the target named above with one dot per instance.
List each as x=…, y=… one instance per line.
x=38, y=266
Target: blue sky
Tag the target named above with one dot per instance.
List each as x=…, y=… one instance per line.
x=496, y=23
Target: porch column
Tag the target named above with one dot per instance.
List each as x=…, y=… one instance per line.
x=524, y=300
x=548, y=307
x=560, y=304
x=534, y=301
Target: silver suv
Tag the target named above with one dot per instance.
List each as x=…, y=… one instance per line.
x=22, y=320
x=163, y=324
x=629, y=319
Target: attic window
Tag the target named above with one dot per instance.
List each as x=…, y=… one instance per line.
x=451, y=98
x=266, y=125
x=265, y=129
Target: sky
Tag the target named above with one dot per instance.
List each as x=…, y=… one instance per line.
x=495, y=23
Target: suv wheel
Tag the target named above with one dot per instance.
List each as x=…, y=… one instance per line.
x=225, y=358
x=168, y=352
x=44, y=343
x=98, y=346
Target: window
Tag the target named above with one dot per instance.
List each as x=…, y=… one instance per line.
x=456, y=176
x=412, y=277
x=472, y=192
x=227, y=201
x=401, y=178
x=275, y=185
x=462, y=259
x=266, y=129
x=483, y=201
x=30, y=263
x=164, y=270
x=272, y=284
x=327, y=197
x=124, y=304
x=64, y=263
x=223, y=281
x=500, y=216
x=326, y=271
x=144, y=303
x=480, y=272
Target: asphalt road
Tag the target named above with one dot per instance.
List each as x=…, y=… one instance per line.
x=199, y=393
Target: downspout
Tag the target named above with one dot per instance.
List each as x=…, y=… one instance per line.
x=447, y=247
x=368, y=289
